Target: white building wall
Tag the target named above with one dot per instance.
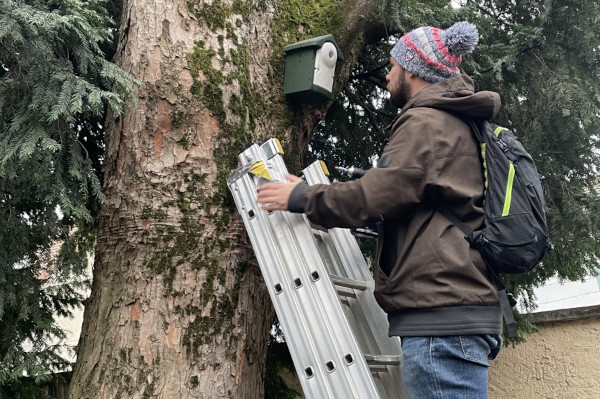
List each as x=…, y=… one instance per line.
x=554, y=294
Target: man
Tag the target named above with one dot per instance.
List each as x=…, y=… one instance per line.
x=432, y=285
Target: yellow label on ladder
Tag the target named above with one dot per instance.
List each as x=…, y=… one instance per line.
x=324, y=167
x=259, y=169
x=278, y=145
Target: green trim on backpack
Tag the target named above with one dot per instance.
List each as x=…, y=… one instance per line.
x=509, y=181
x=498, y=130
x=509, y=187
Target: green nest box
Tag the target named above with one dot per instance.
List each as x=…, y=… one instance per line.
x=310, y=69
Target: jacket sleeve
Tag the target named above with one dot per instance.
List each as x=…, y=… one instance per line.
x=392, y=189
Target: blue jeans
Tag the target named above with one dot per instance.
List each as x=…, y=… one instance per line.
x=453, y=367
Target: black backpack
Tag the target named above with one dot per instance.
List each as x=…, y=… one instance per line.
x=514, y=238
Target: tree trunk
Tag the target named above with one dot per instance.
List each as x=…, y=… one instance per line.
x=178, y=306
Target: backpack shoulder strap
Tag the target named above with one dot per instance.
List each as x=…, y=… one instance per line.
x=444, y=209
x=449, y=214
x=476, y=126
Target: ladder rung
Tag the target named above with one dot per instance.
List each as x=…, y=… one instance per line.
x=375, y=370
x=378, y=363
x=316, y=228
x=382, y=360
x=339, y=281
x=345, y=292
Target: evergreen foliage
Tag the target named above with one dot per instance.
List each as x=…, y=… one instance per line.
x=54, y=76
x=543, y=59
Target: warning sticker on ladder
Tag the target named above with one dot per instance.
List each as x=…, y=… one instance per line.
x=260, y=169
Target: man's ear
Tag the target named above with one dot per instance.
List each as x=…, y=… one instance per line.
x=415, y=82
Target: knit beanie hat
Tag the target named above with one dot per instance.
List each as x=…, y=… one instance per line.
x=434, y=54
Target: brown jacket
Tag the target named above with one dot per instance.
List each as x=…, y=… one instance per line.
x=427, y=278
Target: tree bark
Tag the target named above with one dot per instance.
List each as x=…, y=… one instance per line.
x=178, y=306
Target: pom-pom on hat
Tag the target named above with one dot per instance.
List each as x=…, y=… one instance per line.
x=434, y=54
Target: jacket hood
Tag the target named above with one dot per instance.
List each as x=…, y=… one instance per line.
x=457, y=95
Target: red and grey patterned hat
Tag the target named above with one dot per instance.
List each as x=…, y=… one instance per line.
x=434, y=54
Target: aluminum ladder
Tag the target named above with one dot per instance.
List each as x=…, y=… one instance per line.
x=321, y=288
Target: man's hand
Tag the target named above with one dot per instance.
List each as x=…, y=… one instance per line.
x=275, y=196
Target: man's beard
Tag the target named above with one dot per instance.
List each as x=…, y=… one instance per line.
x=400, y=96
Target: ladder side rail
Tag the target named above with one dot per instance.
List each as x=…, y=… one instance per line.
x=280, y=291
x=307, y=305
x=363, y=332
x=334, y=264
x=331, y=322
x=331, y=261
x=345, y=244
